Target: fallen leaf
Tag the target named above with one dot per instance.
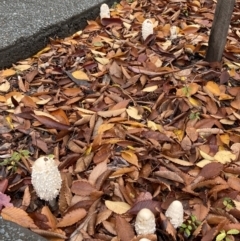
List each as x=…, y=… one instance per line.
x=224, y=157
x=18, y=216
x=72, y=217
x=117, y=207
x=111, y=113
x=80, y=75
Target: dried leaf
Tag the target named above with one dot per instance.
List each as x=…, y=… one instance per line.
x=178, y=161
x=224, y=157
x=111, y=113
x=82, y=188
x=130, y=157
x=50, y=123
x=133, y=112
x=72, y=217
x=80, y=75
x=117, y=207
x=18, y=216
x=124, y=229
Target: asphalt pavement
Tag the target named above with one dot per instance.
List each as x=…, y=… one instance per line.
x=27, y=25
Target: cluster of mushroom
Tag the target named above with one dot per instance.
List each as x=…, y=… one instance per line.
x=147, y=25
x=145, y=220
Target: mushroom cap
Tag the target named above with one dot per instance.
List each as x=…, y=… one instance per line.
x=175, y=213
x=104, y=11
x=145, y=222
x=147, y=28
x=46, y=178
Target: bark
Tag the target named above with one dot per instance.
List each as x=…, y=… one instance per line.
x=219, y=31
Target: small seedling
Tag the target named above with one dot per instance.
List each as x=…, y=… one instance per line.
x=12, y=162
x=228, y=203
x=189, y=226
x=194, y=116
x=114, y=5
x=186, y=90
x=227, y=236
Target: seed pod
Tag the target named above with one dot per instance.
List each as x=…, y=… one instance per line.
x=147, y=28
x=175, y=213
x=46, y=178
x=104, y=11
x=145, y=222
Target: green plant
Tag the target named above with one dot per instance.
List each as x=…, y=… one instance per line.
x=189, y=226
x=227, y=236
x=194, y=116
x=12, y=162
x=186, y=91
x=114, y=5
x=228, y=203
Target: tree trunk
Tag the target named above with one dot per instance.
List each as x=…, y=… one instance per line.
x=219, y=31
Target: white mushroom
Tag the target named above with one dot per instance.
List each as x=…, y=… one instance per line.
x=147, y=28
x=173, y=32
x=46, y=178
x=104, y=11
x=145, y=222
x=175, y=213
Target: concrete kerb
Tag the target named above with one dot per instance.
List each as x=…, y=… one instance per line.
x=20, y=42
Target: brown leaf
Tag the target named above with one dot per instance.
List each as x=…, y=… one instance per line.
x=72, y=217
x=169, y=175
x=111, y=21
x=18, y=216
x=52, y=221
x=154, y=206
x=83, y=162
x=156, y=136
x=26, y=197
x=50, y=123
x=82, y=188
x=130, y=157
x=211, y=170
x=124, y=229
x=234, y=183
x=103, y=216
x=186, y=143
x=111, y=113
x=97, y=171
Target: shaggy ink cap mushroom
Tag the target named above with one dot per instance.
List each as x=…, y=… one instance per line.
x=46, y=178
x=147, y=28
x=104, y=11
x=175, y=213
x=145, y=222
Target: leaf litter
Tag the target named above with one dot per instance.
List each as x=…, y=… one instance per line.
x=134, y=119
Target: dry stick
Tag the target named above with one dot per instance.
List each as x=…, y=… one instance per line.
x=219, y=31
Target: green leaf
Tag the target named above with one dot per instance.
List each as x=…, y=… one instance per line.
x=187, y=233
x=233, y=231
x=189, y=227
x=193, y=217
x=183, y=225
x=4, y=162
x=221, y=236
x=25, y=153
